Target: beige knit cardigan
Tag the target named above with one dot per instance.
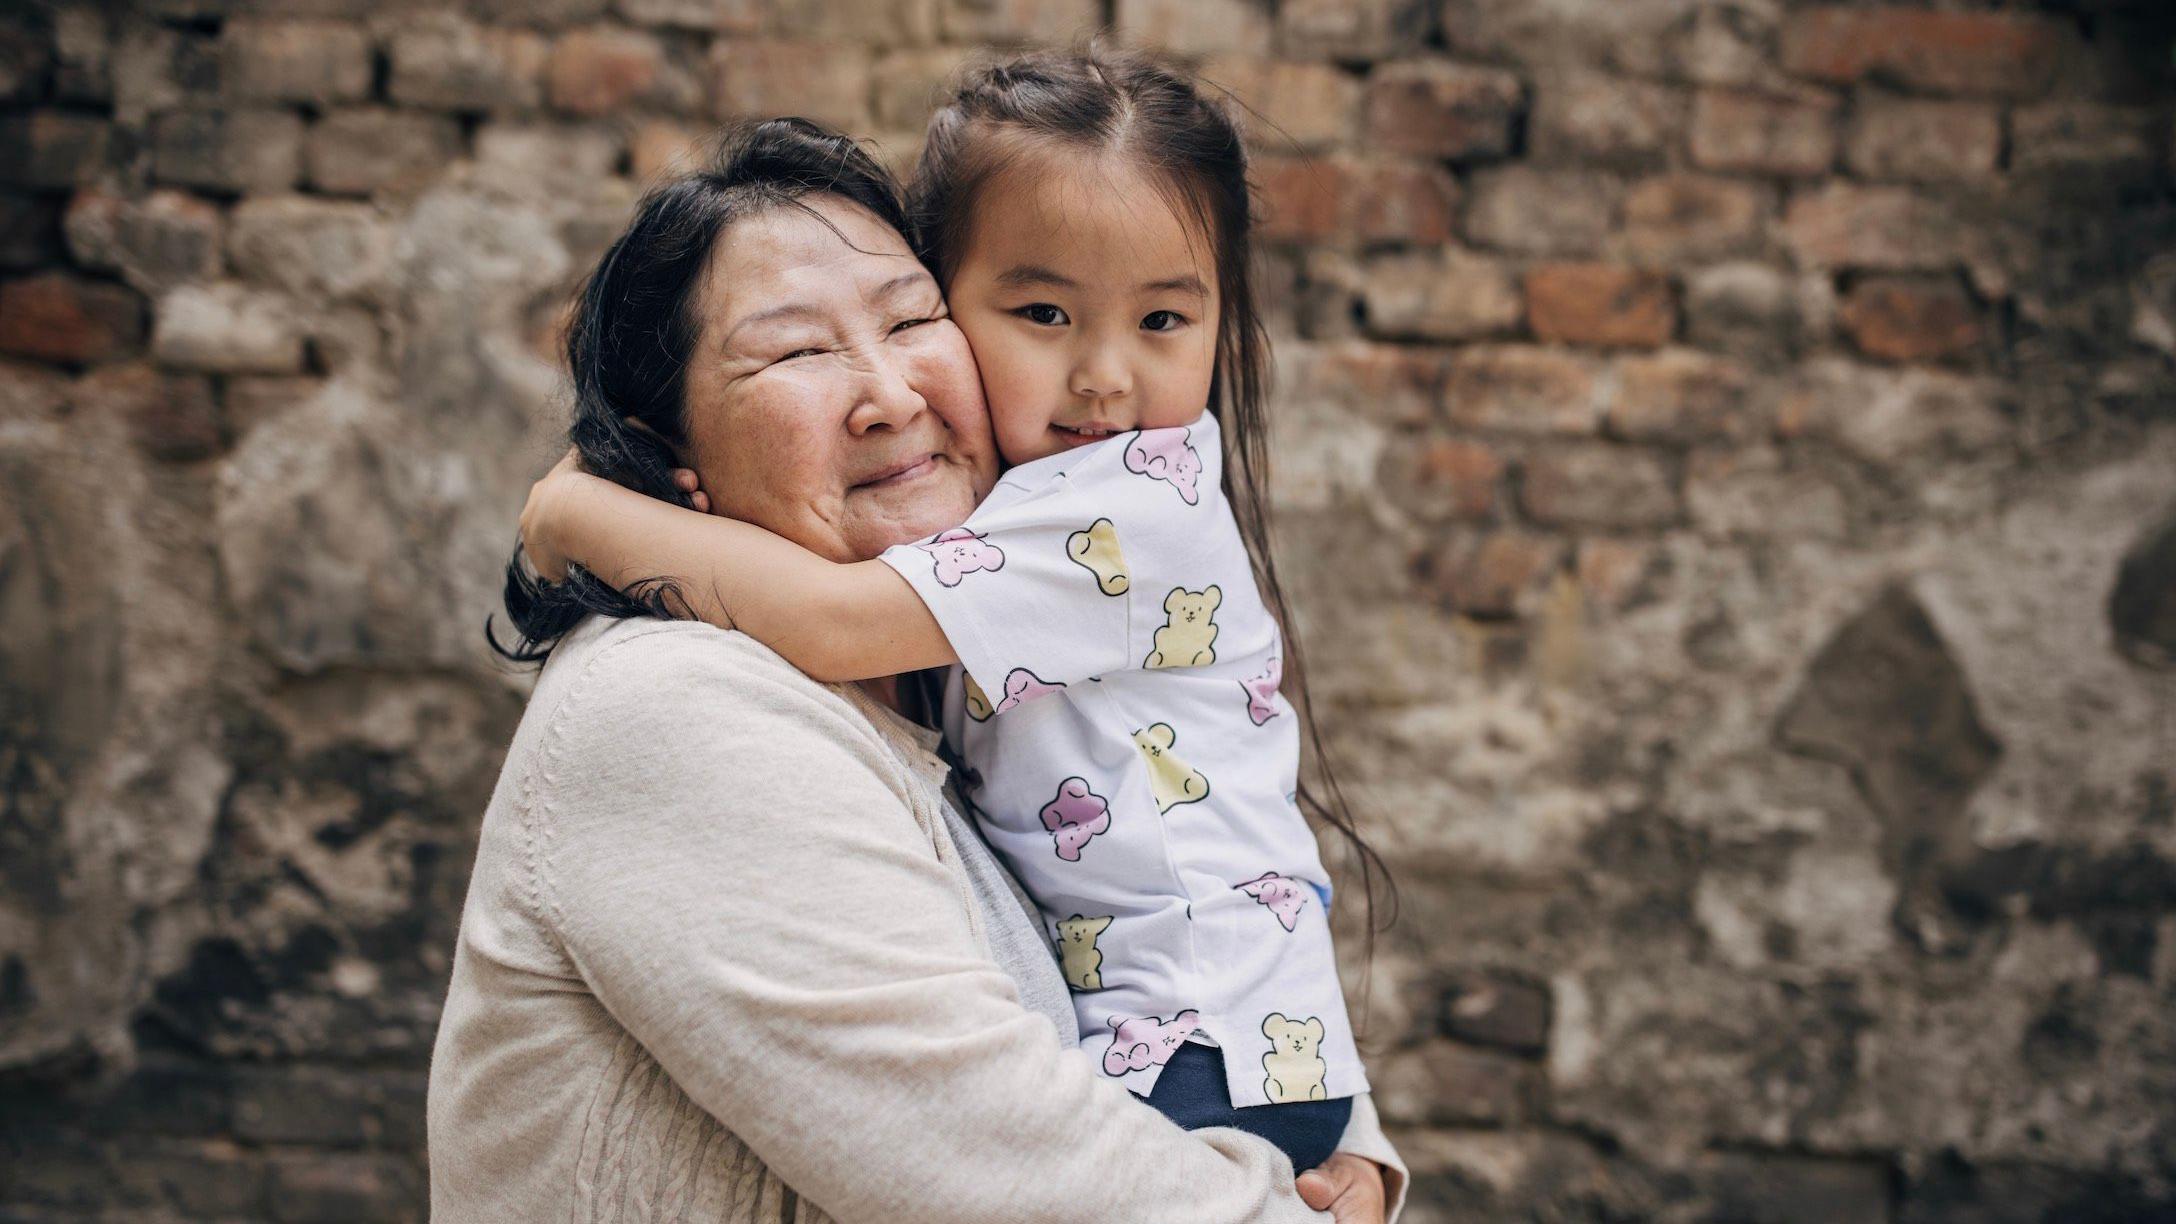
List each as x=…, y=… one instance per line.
x=719, y=961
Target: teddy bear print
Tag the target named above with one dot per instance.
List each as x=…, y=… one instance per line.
x=1074, y=815
x=1077, y=952
x=1188, y=638
x=1294, y=1065
x=1170, y=779
x=1167, y=455
x=1262, y=691
x=1281, y=894
x=1147, y=1041
x=960, y=552
x=1096, y=550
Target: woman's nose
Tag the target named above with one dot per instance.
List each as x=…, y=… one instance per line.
x=885, y=399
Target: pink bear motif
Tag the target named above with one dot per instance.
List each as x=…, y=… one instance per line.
x=1074, y=815
x=1021, y=687
x=1167, y=455
x=1146, y=1041
x=960, y=552
x=1281, y=894
x=1262, y=691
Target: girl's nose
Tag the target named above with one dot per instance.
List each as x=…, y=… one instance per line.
x=1100, y=376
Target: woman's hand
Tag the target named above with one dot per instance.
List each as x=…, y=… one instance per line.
x=537, y=517
x=1349, y=1187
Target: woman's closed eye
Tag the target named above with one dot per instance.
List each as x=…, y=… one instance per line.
x=1043, y=314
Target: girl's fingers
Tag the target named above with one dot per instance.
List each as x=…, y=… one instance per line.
x=700, y=500
x=1349, y=1187
x=684, y=480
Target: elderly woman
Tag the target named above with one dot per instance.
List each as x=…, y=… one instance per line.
x=728, y=952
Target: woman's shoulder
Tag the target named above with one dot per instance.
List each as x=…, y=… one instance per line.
x=684, y=683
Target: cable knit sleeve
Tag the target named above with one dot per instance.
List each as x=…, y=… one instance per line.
x=732, y=864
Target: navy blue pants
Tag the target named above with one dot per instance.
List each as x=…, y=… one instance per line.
x=1192, y=1093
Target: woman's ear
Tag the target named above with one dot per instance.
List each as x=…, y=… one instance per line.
x=640, y=426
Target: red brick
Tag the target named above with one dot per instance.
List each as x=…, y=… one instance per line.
x=1595, y=485
x=1349, y=29
x=1197, y=27
x=827, y=82
x=724, y=16
x=1392, y=383
x=359, y=151
x=1764, y=134
x=593, y=72
x=1287, y=105
x=1540, y=212
x=1757, y=312
x=1589, y=118
x=1499, y=574
x=1604, y=304
x=1521, y=389
x=164, y=239
x=2081, y=135
x=1680, y=395
x=445, y=63
x=1843, y=225
x=1439, y=478
x=319, y=62
x=227, y=329
x=1675, y=218
x=57, y=317
x=172, y=417
x=1442, y=1083
x=49, y=150
x=1901, y=138
x=227, y=151
x=1445, y=294
x=1992, y=54
x=1433, y=108
x=1906, y=319
x=1017, y=21
x=1361, y=199
x=1610, y=571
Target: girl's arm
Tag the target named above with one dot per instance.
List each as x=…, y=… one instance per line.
x=834, y=621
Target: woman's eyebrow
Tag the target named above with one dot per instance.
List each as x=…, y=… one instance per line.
x=792, y=310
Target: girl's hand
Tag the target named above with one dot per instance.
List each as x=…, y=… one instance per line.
x=537, y=517
x=1349, y=1187
x=685, y=480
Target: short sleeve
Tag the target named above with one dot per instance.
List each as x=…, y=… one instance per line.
x=1054, y=579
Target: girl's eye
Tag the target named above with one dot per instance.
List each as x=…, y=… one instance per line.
x=1043, y=313
x=1163, y=320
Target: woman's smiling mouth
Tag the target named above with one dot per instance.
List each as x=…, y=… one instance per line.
x=910, y=470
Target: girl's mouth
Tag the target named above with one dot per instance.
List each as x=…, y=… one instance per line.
x=1081, y=435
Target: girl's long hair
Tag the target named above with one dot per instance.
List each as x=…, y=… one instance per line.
x=1103, y=99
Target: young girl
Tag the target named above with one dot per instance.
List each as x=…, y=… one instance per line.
x=1117, y=708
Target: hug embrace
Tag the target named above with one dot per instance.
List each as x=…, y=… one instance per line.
x=907, y=820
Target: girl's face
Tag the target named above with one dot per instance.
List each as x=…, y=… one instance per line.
x=1090, y=301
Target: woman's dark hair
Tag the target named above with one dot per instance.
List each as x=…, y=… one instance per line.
x=637, y=321
x=1102, y=99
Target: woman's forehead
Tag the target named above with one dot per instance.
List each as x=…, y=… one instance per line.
x=827, y=255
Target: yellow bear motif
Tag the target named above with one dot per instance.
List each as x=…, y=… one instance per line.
x=1188, y=638
x=1077, y=952
x=1294, y=1063
x=1096, y=550
x=1170, y=779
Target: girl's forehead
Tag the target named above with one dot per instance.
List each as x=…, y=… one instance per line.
x=1099, y=214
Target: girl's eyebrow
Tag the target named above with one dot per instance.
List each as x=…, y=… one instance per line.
x=1023, y=275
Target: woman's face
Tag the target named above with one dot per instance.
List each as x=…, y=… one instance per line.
x=830, y=397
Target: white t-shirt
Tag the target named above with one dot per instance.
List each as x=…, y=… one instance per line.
x=1135, y=764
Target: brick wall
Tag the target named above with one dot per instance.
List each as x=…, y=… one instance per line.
x=1727, y=468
